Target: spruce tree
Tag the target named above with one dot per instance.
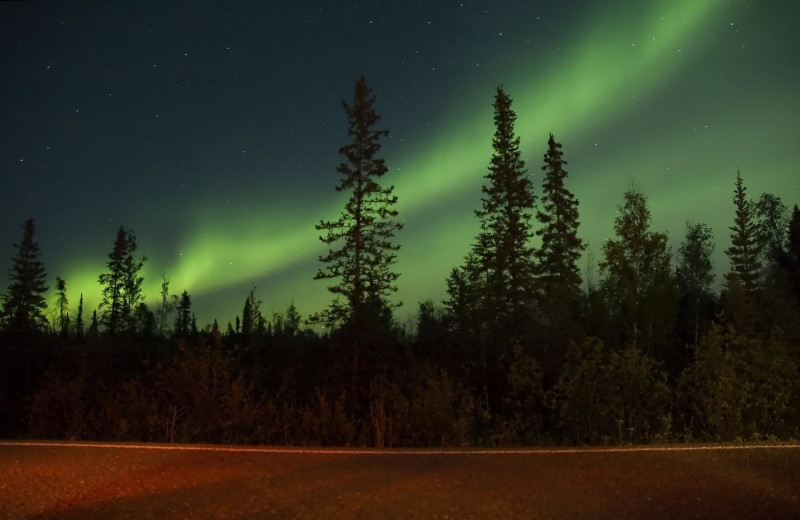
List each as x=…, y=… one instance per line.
x=63, y=306
x=500, y=266
x=121, y=284
x=558, y=276
x=746, y=244
x=183, y=322
x=362, y=263
x=94, y=327
x=79, y=319
x=132, y=283
x=24, y=305
x=166, y=307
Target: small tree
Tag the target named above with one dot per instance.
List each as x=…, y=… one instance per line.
x=746, y=244
x=183, y=323
x=79, y=319
x=166, y=307
x=694, y=271
x=122, y=284
x=251, y=315
x=24, y=304
x=63, y=306
x=772, y=218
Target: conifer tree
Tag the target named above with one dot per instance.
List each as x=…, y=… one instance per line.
x=362, y=263
x=251, y=315
x=24, y=304
x=132, y=282
x=63, y=306
x=94, y=327
x=561, y=248
x=499, y=268
x=166, y=307
x=79, y=319
x=558, y=276
x=122, y=284
x=183, y=322
x=746, y=245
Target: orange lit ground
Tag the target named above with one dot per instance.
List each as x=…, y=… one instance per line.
x=91, y=482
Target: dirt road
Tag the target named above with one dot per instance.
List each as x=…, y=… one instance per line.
x=81, y=480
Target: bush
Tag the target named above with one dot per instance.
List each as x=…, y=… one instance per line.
x=607, y=396
x=737, y=387
x=526, y=403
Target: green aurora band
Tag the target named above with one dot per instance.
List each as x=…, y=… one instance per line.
x=615, y=66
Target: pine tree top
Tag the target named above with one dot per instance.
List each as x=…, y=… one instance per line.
x=746, y=245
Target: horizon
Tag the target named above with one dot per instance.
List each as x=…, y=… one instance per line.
x=230, y=176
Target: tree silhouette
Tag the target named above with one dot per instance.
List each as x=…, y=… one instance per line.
x=746, y=244
x=363, y=251
x=183, y=323
x=694, y=272
x=792, y=260
x=122, y=284
x=772, y=218
x=24, y=305
x=500, y=266
x=94, y=327
x=63, y=306
x=638, y=282
x=79, y=319
x=362, y=264
x=558, y=276
x=251, y=315
x=166, y=306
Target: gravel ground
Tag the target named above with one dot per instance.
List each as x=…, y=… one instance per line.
x=43, y=482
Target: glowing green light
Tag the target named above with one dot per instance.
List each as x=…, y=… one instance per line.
x=575, y=91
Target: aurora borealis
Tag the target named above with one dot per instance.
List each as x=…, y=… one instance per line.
x=211, y=130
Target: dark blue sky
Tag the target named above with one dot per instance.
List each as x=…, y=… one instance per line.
x=211, y=130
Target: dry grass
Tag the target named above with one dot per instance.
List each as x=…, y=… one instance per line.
x=84, y=482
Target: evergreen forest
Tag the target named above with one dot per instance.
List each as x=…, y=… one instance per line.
x=646, y=345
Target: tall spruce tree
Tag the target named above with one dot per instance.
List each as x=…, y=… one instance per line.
x=558, y=276
x=24, y=304
x=500, y=266
x=746, y=243
x=362, y=263
x=362, y=254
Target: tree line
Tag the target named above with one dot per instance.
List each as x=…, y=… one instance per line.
x=524, y=350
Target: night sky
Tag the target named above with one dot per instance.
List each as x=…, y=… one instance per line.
x=212, y=130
